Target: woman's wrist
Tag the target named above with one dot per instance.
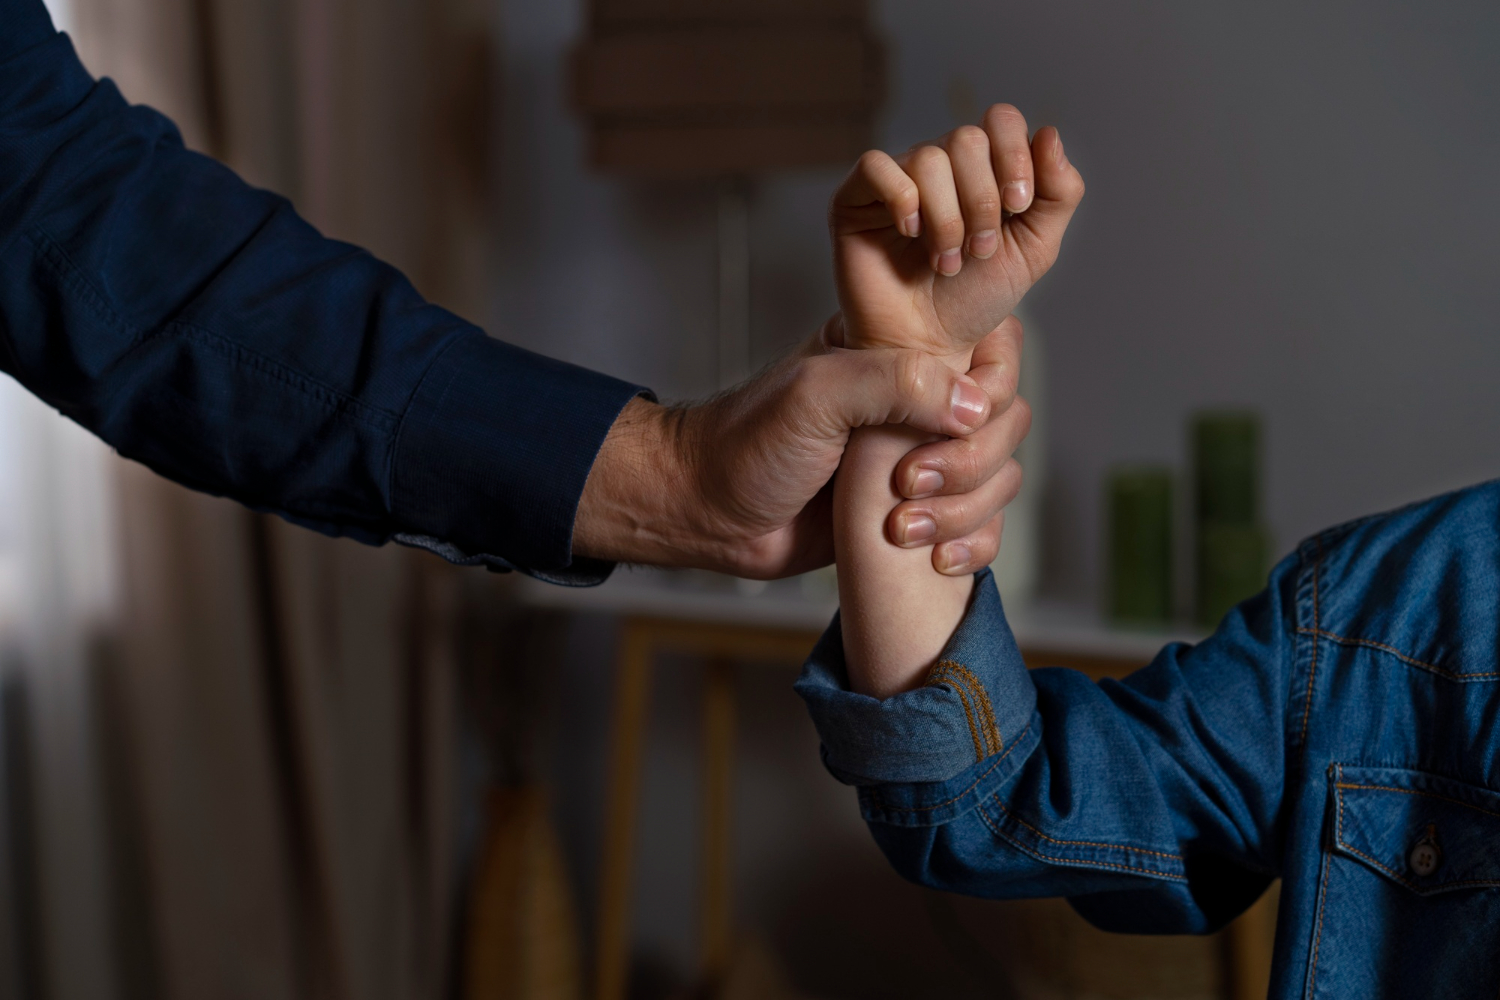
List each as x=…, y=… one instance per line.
x=897, y=612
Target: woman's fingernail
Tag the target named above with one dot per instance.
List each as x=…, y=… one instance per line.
x=1017, y=196
x=954, y=558
x=917, y=528
x=925, y=482
x=983, y=245
x=968, y=404
x=913, y=224
x=949, y=261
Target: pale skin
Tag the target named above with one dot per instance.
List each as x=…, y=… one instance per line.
x=933, y=250
x=741, y=483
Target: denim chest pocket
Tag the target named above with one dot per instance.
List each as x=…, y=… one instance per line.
x=1410, y=898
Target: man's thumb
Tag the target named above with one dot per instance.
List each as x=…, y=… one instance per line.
x=897, y=386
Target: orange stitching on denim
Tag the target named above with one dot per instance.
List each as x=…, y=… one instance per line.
x=963, y=697
x=1312, y=966
x=939, y=677
x=1312, y=672
x=986, y=735
x=1088, y=864
x=1393, y=873
x=1085, y=843
x=982, y=699
x=1372, y=644
x=988, y=771
x=1415, y=791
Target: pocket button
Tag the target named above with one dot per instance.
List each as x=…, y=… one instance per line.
x=1425, y=856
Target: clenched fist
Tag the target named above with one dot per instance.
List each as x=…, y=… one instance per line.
x=934, y=248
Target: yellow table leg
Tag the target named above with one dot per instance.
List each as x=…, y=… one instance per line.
x=632, y=701
x=715, y=919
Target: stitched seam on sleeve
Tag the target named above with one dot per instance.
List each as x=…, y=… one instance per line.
x=994, y=743
x=1083, y=843
x=1082, y=862
x=71, y=276
x=1344, y=640
x=963, y=698
x=945, y=674
x=395, y=454
x=983, y=745
x=376, y=417
x=880, y=803
x=67, y=272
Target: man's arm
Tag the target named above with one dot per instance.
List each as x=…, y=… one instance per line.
x=742, y=482
x=200, y=327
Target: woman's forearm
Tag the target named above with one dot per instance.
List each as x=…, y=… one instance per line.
x=897, y=612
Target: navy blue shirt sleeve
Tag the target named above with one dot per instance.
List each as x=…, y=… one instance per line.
x=1154, y=803
x=199, y=326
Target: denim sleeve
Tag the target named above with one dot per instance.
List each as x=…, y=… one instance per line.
x=1152, y=803
x=199, y=326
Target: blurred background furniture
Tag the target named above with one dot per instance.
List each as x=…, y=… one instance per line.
x=720, y=625
x=207, y=792
x=727, y=90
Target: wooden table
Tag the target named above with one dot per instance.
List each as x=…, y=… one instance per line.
x=722, y=622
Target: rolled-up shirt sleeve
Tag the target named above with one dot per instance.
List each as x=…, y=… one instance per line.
x=977, y=702
x=199, y=326
x=1152, y=803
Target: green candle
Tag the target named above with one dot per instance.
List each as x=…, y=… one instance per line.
x=1140, y=544
x=1226, y=466
x=1232, y=546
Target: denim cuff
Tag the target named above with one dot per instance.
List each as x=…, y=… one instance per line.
x=977, y=702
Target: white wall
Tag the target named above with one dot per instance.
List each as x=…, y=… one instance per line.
x=1290, y=206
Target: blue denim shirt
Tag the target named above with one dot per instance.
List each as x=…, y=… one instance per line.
x=202, y=328
x=1340, y=731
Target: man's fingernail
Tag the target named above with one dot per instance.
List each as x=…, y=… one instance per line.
x=954, y=558
x=925, y=482
x=968, y=404
x=1017, y=196
x=913, y=224
x=917, y=528
x=983, y=244
x=949, y=261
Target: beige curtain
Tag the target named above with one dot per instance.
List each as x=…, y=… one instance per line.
x=284, y=701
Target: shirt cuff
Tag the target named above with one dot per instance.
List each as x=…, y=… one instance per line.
x=977, y=703
x=493, y=454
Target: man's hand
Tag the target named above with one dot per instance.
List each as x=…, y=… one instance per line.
x=741, y=483
x=934, y=248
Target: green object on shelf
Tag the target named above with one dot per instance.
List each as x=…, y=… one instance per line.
x=1140, y=544
x=1232, y=545
x=1231, y=567
x=1226, y=467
